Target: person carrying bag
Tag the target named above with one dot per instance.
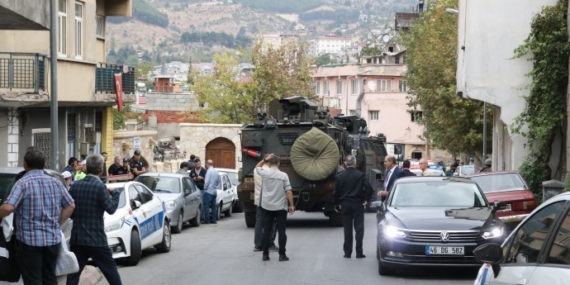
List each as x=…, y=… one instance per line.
x=9, y=270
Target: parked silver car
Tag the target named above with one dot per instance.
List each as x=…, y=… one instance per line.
x=180, y=195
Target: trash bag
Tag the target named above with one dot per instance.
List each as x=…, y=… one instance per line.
x=315, y=155
x=66, y=260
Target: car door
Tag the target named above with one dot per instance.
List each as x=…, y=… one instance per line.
x=153, y=211
x=190, y=198
x=526, y=245
x=556, y=267
x=227, y=186
x=138, y=213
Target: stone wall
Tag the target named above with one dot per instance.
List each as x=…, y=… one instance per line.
x=123, y=145
x=195, y=137
x=184, y=101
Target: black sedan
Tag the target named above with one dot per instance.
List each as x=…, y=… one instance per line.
x=434, y=221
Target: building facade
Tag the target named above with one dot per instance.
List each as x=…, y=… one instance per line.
x=85, y=84
x=332, y=44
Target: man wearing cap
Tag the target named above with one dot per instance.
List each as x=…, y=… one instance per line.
x=138, y=164
x=117, y=168
x=487, y=167
x=80, y=171
x=67, y=177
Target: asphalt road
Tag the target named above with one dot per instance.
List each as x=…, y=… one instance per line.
x=223, y=254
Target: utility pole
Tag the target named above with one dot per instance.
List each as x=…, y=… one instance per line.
x=53, y=86
x=484, y=133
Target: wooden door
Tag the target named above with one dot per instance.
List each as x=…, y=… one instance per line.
x=222, y=152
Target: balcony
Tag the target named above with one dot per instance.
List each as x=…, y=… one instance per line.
x=22, y=72
x=105, y=78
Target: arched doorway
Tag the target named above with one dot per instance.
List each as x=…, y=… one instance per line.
x=222, y=152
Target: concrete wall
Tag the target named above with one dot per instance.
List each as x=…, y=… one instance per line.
x=195, y=137
x=488, y=33
x=24, y=14
x=123, y=144
x=171, y=101
x=38, y=118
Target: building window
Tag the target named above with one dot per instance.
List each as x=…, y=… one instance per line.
x=397, y=60
x=326, y=88
x=78, y=29
x=385, y=85
x=317, y=87
x=338, y=87
x=354, y=87
x=373, y=115
x=100, y=26
x=62, y=27
x=403, y=86
x=416, y=116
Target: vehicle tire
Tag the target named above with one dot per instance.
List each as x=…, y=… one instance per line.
x=178, y=228
x=136, y=250
x=382, y=269
x=249, y=219
x=335, y=219
x=238, y=206
x=195, y=222
x=228, y=212
x=164, y=246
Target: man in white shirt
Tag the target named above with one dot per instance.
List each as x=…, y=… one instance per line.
x=259, y=216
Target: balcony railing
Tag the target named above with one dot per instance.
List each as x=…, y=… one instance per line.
x=105, y=78
x=22, y=71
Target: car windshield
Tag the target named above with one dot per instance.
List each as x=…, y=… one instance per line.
x=122, y=199
x=160, y=184
x=6, y=182
x=437, y=194
x=467, y=169
x=233, y=177
x=499, y=182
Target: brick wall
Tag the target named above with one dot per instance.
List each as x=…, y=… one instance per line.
x=171, y=117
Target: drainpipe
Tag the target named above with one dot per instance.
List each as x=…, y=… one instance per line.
x=53, y=90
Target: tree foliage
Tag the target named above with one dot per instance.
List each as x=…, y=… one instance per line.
x=144, y=12
x=451, y=123
x=120, y=118
x=544, y=115
x=232, y=96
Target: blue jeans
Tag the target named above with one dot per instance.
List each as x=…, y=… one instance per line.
x=209, y=203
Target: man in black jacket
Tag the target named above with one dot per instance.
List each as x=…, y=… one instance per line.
x=351, y=194
x=406, y=169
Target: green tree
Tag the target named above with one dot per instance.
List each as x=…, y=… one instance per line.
x=143, y=69
x=451, y=123
x=233, y=98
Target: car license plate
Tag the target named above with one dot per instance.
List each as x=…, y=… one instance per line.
x=248, y=179
x=445, y=250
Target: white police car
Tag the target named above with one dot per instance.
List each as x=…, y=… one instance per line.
x=140, y=222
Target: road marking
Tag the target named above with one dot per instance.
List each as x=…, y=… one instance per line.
x=319, y=263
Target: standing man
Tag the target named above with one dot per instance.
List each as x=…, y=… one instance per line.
x=117, y=168
x=406, y=169
x=80, y=171
x=211, y=185
x=41, y=205
x=88, y=238
x=191, y=164
x=351, y=194
x=71, y=165
x=198, y=174
x=487, y=167
x=183, y=168
x=259, y=215
x=393, y=172
x=67, y=177
x=104, y=175
x=424, y=167
x=138, y=164
x=276, y=193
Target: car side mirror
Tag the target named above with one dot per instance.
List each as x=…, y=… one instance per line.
x=135, y=204
x=377, y=205
x=488, y=253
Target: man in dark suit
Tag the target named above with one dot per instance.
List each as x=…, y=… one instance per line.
x=406, y=169
x=351, y=193
x=393, y=172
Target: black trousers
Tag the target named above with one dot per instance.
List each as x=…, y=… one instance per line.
x=281, y=220
x=352, y=216
x=101, y=256
x=37, y=263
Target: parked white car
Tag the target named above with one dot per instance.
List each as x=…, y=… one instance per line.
x=225, y=196
x=537, y=252
x=140, y=222
x=233, y=176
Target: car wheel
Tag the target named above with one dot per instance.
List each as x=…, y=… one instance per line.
x=249, y=219
x=136, y=250
x=220, y=209
x=382, y=269
x=164, y=246
x=228, y=212
x=178, y=228
x=195, y=222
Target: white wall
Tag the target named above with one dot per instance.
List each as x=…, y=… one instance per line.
x=489, y=31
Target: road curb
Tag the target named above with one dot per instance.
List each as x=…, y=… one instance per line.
x=90, y=276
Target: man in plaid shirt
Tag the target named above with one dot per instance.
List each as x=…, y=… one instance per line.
x=88, y=238
x=42, y=205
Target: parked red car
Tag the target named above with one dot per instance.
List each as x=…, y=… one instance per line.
x=509, y=188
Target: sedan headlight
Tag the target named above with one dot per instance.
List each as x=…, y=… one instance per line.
x=494, y=232
x=393, y=232
x=170, y=205
x=116, y=225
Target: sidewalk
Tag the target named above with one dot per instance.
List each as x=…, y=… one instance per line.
x=90, y=276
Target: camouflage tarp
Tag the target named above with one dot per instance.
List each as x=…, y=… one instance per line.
x=315, y=155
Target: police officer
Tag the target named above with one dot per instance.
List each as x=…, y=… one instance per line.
x=351, y=194
x=138, y=164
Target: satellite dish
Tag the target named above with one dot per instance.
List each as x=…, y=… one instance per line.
x=386, y=38
x=372, y=85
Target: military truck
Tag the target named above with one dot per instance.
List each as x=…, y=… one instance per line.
x=311, y=146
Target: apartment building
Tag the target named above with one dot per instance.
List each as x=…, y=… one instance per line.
x=332, y=44
x=85, y=84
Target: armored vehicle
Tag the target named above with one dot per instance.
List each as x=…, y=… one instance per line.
x=311, y=146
